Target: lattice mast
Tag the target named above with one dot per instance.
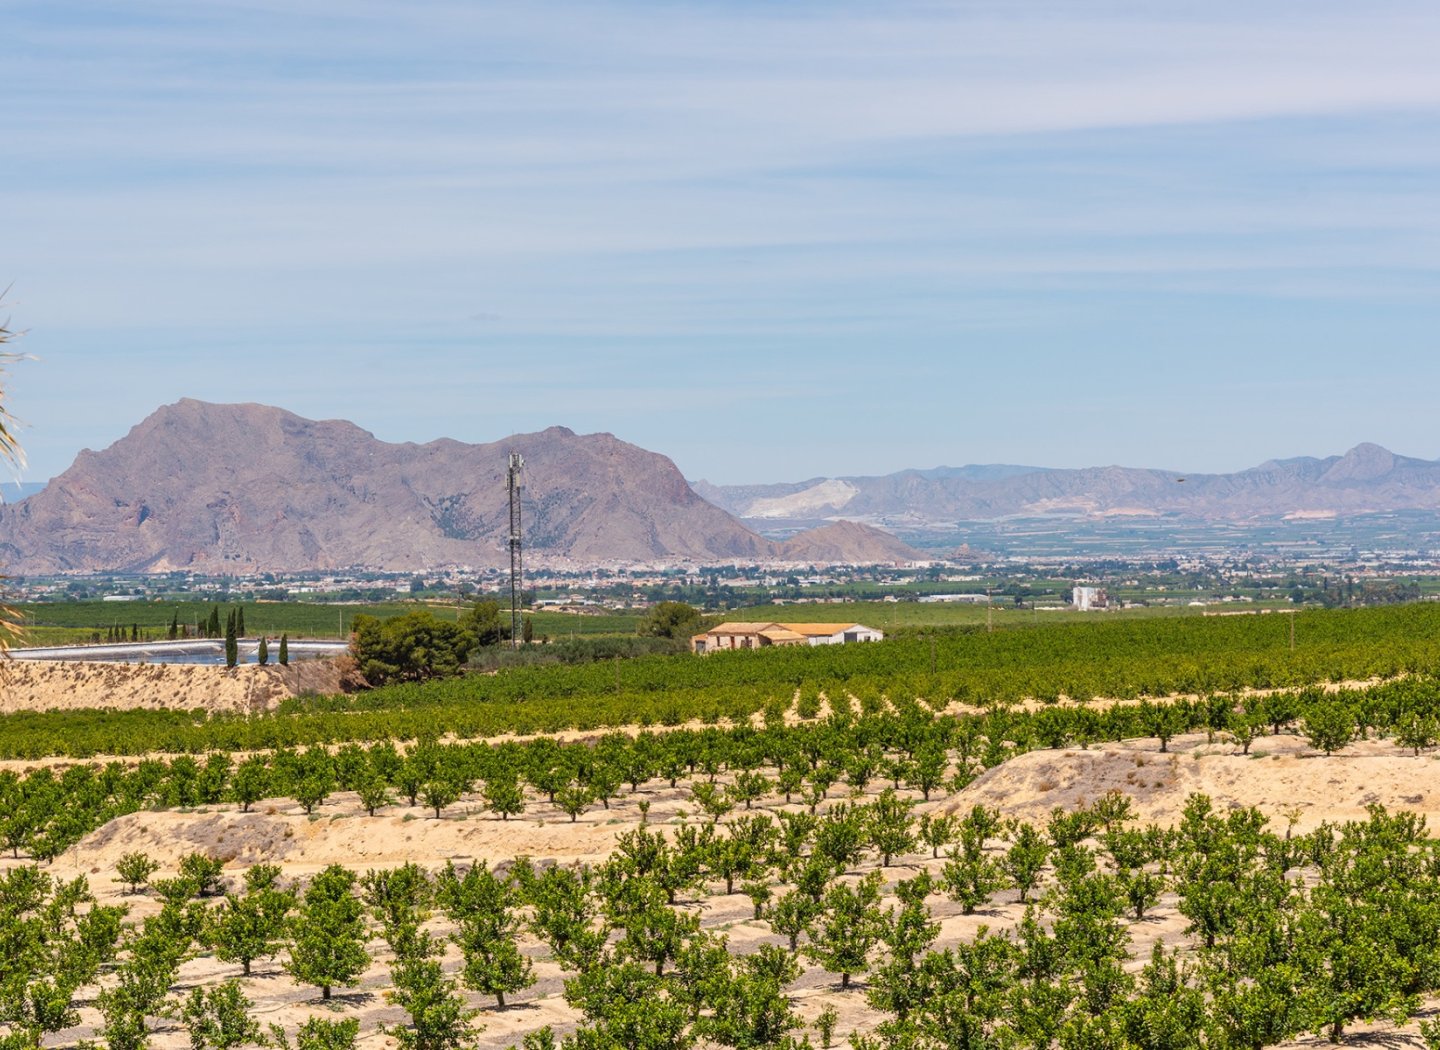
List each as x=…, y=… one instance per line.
x=512, y=482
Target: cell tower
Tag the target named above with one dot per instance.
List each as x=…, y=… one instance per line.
x=512, y=482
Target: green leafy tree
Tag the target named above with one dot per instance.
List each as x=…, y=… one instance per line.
x=440, y=793
x=439, y=1019
x=1328, y=726
x=567, y=916
x=937, y=831
x=135, y=869
x=219, y=1018
x=791, y=915
x=927, y=772
x=848, y=928
x=314, y=780
x=971, y=876
x=574, y=799
x=318, y=1033
x=504, y=796
x=743, y=999
x=144, y=979
x=55, y=939
x=628, y=1008
x=410, y=648
x=1024, y=861
x=244, y=928
x=398, y=897
x=328, y=936
x=1417, y=732
x=485, y=911
x=373, y=791
x=251, y=782
x=202, y=871
x=891, y=827
x=483, y=621
x=672, y=620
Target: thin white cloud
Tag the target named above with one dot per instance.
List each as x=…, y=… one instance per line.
x=776, y=178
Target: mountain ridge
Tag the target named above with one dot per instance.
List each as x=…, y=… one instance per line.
x=250, y=488
x=1365, y=479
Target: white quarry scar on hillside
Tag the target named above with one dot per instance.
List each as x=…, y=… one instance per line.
x=831, y=494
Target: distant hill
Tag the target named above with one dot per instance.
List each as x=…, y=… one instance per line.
x=1367, y=479
x=847, y=543
x=249, y=488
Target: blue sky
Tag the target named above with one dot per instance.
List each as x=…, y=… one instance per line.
x=772, y=241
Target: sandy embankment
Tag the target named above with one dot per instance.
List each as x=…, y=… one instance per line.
x=1283, y=777
x=35, y=685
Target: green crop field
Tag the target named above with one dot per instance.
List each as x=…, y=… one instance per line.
x=60, y=623
x=889, y=616
x=298, y=619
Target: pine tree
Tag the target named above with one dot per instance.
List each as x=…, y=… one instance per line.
x=285, y=650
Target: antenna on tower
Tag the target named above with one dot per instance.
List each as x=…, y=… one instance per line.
x=512, y=482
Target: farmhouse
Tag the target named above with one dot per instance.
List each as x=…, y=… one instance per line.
x=742, y=635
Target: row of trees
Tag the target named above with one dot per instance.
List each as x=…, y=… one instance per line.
x=905, y=744
x=1286, y=934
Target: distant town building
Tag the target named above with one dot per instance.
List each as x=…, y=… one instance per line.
x=743, y=635
x=969, y=598
x=1086, y=599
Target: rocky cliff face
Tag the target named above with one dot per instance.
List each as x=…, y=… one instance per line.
x=250, y=488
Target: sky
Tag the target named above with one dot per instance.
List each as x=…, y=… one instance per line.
x=770, y=240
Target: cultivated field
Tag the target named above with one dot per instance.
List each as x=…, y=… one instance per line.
x=761, y=843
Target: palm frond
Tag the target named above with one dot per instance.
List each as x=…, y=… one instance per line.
x=11, y=452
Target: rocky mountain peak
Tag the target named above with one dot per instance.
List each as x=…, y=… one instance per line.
x=1364, y=462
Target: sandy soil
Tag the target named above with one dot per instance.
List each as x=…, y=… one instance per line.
x=42, y=685
x=1281, y=776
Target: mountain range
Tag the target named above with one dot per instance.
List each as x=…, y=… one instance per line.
x=1367, y=479
x=251, y=488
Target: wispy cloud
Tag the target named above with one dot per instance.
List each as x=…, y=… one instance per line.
x=687, y=185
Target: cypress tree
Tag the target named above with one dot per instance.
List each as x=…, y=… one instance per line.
x=240, y=621
x=232, y=645
x=262, y=656
x=212, y=626
x=174, y=631
x=285, y=650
